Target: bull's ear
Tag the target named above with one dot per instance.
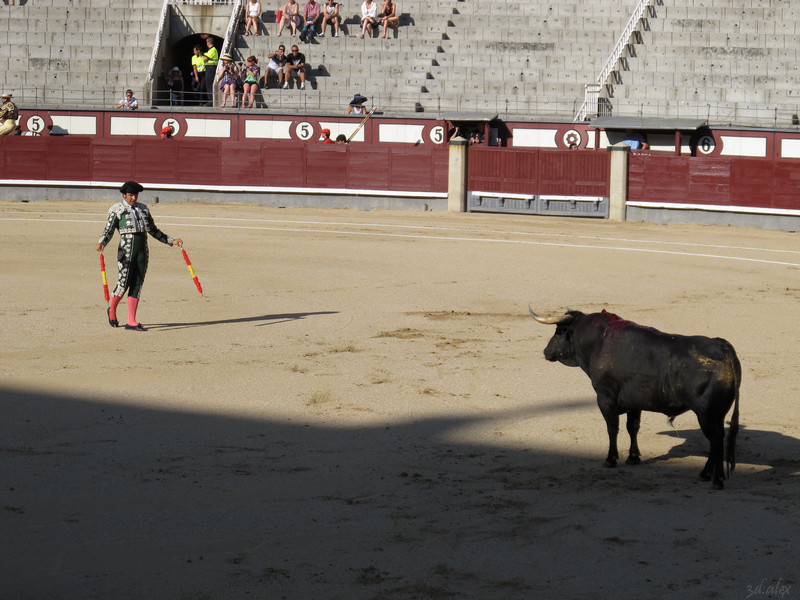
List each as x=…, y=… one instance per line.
x=565, y=318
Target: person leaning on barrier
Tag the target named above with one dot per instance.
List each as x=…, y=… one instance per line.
x=129, y=101
x=356, y=106
x=635, y=140
x=9, y=113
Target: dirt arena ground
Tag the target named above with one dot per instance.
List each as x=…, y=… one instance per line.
x=358, y=408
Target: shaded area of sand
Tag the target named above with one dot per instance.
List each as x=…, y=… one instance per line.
x=358, y=408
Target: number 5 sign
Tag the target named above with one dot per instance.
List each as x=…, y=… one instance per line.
x=36, y=124
x=437, y=135
x=304, y=131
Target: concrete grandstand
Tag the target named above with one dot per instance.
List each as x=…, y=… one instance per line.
x=734, y=64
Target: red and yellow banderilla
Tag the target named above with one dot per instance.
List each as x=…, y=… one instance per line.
x=191, y=271
x=105, y=281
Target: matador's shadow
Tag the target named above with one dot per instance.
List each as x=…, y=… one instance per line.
x=260, y=321
x=781, y=453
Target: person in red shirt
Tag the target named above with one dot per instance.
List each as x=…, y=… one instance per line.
x=311, y=18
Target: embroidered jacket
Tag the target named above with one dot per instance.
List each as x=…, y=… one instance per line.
x=9, y=110
x=132, y=219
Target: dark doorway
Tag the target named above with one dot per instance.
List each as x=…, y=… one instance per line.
x=180, y=55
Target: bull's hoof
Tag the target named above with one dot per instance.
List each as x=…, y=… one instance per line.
x=704, y=476
x=633, y=460
x=610, y=464
x=718, y=485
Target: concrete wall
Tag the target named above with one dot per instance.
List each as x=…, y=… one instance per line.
x=517, y=58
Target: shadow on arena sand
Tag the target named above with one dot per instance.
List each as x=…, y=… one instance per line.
x=259, y=320
x=106, y=500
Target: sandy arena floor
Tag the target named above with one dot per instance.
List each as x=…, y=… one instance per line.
x=358, y=408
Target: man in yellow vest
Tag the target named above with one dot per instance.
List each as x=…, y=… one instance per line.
x=198, y=75
x=211, y=58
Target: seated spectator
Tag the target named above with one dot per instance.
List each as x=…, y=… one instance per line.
x=291, y=15
x=175, y=86
x=9, y=113
x=253, y=19
x=635, y=140
x=228, y=77
x=129, y=102
x=250, y=84
x=388, y=16
x=277, y=65
x=369, y=17
x=311, y=18
x=357, y=105
x=295, y=67
x=330, y=14
x=326, y=136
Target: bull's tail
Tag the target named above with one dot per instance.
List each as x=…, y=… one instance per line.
x=733, y=428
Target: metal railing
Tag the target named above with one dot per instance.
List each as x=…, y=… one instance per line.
x=157, y=44
x=592, y=90
x=230, y=33
x=423, y=105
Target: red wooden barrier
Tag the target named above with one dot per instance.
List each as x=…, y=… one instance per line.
x=231, y=164
x=537, y=171
x=714, y=181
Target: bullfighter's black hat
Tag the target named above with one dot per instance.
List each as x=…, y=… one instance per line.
x=130, y=187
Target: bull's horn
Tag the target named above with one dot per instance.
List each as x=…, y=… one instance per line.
x=565, y=318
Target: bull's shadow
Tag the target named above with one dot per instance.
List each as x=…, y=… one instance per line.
x=778, y=452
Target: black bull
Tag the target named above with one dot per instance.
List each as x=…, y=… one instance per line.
x=635, y=368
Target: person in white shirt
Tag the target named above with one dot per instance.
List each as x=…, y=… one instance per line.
x=129, y=102
x=253, y=17
x=369, y=17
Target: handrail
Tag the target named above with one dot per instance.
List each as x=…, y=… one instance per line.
x=230, y=32
x=151, y=70
x=622, y=43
